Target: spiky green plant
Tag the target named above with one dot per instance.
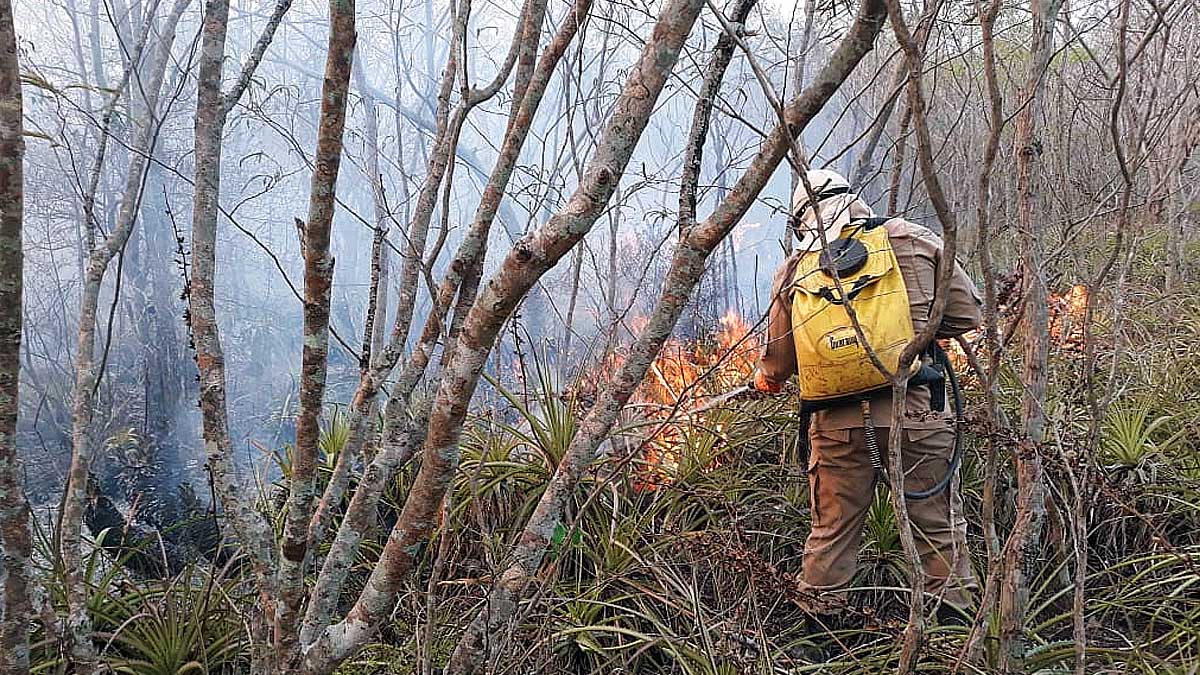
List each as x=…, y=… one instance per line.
x=1134, y=439
x=181, y=626
x=188, y=623
x=882, y=536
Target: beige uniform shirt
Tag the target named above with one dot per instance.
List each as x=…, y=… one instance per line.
x=919, y=254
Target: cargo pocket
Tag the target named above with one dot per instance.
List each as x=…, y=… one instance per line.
x=928, y=446
x=825, y=448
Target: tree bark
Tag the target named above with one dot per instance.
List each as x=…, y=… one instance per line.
x=212, y=108
x=374, y=332
x=16, y=542
x=1025, y=538
x=998, y=422
x=318, y=282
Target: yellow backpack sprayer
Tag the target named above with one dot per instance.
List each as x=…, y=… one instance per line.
x=834, y=366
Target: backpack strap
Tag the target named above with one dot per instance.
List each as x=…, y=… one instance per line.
x=864, y=225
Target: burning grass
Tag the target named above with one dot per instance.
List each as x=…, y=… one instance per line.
x=685, y=374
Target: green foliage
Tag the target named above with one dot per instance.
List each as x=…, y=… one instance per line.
x=1132, y=440
x=882, y=536
x=334, y=436
x=187, y=624
x=175, y=627
x=379, y=659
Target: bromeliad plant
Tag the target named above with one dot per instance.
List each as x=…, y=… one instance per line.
x=189, y=624
x=186, y=624
x=1134, y=440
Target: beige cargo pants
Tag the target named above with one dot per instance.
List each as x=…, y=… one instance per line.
x=841, y=486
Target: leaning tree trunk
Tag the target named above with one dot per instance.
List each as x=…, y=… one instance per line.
x=16, y=543
x=1025, y=539
x=687, y=266
x=86, y=367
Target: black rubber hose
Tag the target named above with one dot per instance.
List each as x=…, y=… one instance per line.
x=956, y=458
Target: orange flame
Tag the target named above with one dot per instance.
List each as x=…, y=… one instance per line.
x=1067, y=314
x=683, y=373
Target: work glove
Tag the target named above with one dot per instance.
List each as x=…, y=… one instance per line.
x=764, y=384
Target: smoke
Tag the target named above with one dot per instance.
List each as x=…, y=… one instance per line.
x=147, y=414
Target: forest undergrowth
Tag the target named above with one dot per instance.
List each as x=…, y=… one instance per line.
x=682, y=545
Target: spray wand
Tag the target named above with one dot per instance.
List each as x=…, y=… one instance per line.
x=745, y=391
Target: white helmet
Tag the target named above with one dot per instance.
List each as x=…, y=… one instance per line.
x=830, y=188
x=822, y=181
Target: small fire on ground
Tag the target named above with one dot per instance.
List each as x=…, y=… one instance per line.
x=1067, y=316
x=685, y=373
x=1068, y=312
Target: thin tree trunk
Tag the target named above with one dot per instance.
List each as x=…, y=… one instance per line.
x=916, y=112
x=412, y=251
x=989, y=377
x=576, y=269
x=1025, y=537
x=865, y=162
x=614, y=231
x=318, y=281
x=86, y=367
x=440, y=169
x=249, y=525
x=16, y=542
x=534, y=14
x=1189, y=138
x=375, y=331
x=897, y=179
x=1079, y=472
x=710, y=88
x=106, y=121
x=212, y=109
x=254, y=59
x=526, y=50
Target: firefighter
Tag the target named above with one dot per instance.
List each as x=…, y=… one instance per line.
x=840, y=469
